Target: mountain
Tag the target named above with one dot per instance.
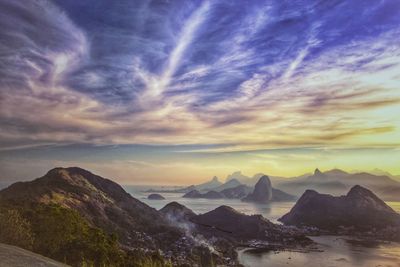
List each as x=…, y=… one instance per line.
x=209, y=195
x=228, y=184
x=225, y=229
x=77, y=216
x=213, y=183
x=251, y=181
x=212, y=192
x=226, y=222
x=101, y=201
x=338, y=182
x=360, y=209
x=193, y=194
x=155, y=197
x=177, y=212
x=238, y=192
x=243, y=179
x=264, y=192
x=279, y=195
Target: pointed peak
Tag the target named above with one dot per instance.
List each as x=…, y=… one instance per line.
x=215, y=179
x=317, y=172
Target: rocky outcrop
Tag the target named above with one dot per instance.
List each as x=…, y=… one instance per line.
x=155, y=197
x=360, y=209
x=264, y=193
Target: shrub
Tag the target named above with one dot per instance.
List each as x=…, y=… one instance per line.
x=14, y=229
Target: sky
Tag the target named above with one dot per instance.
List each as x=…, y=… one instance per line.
x=175, y=92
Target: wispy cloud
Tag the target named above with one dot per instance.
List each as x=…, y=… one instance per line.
x=259, y=75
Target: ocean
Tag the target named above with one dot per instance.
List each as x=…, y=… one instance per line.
x=332, y=251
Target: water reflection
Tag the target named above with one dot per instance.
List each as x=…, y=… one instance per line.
x=335, y=251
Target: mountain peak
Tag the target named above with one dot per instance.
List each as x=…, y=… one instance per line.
x=360, y=208
x=317, y=172
x=262, y=191
x=233, y=181
x=215, y=179
x=358, y=193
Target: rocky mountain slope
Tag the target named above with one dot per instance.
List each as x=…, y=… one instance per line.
x=96, y=219
x=101, y=201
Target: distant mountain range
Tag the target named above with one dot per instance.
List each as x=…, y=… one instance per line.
x=334, y=182
x=338, y=182
x=262, y=192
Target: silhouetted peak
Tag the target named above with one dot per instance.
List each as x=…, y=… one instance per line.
x=262, y=191
x=317, y=172
x=215, y=179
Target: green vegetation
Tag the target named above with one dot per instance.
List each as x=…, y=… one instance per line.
x=14, y=229
x=64, y=235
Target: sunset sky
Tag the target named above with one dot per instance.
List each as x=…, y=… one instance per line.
x=175, y=92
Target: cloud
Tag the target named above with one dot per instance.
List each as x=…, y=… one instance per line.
x=261, y=75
